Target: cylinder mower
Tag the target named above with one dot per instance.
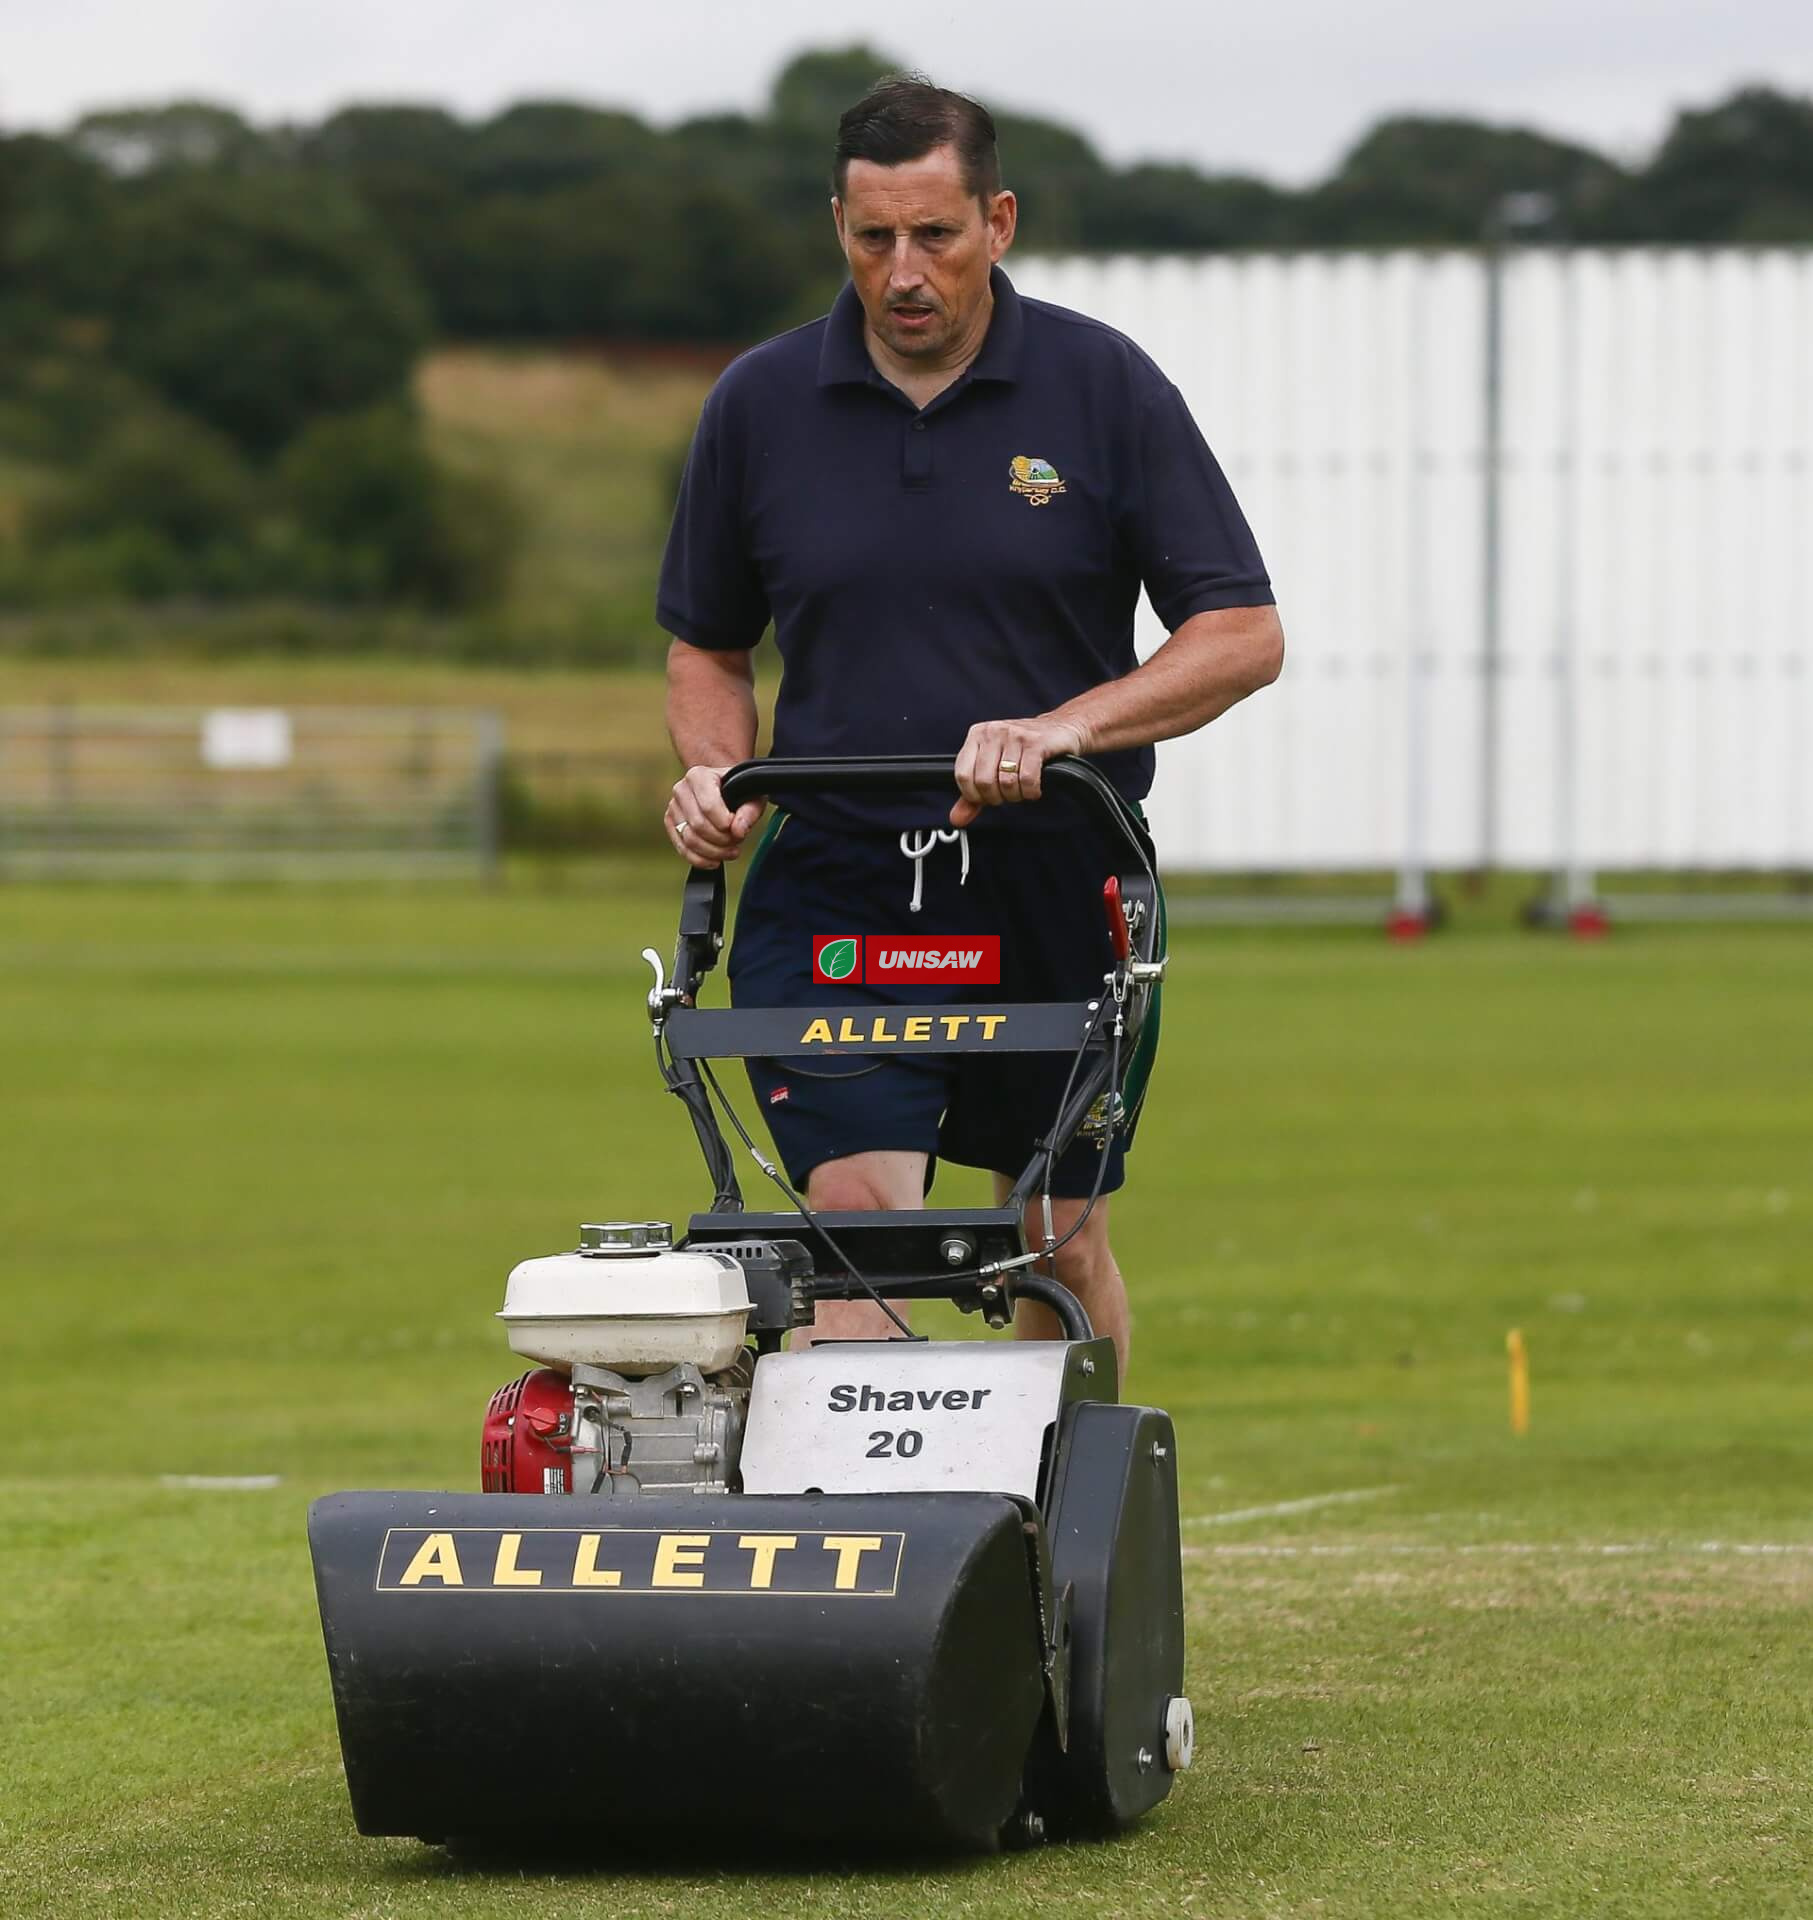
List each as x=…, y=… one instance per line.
x=904, y=1591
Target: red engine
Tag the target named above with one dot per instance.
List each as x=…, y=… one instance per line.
x=528, y=1445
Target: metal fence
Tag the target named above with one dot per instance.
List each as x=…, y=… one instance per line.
x=1548, y=607
x=247, y=791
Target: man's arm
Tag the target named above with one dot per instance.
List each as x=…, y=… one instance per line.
x=1210, y=663
x=711, y=720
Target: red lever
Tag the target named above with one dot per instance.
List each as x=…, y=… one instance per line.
x=1118, y=931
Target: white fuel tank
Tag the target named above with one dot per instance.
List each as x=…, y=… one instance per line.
x=628, y=1300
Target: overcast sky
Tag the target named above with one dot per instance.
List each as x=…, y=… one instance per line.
x=1278, y=87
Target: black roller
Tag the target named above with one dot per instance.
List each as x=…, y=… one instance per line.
x=832, y=1666
x=1115, y=1546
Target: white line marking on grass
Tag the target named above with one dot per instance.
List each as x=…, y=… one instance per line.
x=1309, y=1505
x=1607, y=1549
x=221, y=1482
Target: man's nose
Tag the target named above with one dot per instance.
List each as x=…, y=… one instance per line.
x=908, y=267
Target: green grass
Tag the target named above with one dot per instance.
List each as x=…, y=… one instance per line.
x=265, y=1158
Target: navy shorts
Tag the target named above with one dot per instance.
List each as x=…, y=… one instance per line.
x=1040, y=892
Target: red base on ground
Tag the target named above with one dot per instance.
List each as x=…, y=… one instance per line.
x=1589, y=923
x=1405, y=926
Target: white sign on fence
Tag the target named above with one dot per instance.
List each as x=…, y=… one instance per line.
x=246, y=739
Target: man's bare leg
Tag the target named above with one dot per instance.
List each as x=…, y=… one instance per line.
x=860, y=1183
x=1086, y=1266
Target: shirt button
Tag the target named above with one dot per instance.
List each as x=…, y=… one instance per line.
x=918, y=426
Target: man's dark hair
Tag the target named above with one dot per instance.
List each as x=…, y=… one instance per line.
x=904, y=117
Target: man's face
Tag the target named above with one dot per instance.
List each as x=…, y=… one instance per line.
x=920, y=246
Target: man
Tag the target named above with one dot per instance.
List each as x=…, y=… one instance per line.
x=946, y=499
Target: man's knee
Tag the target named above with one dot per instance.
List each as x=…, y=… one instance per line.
x=865, y=1182
x=1085, y=1249
x=860, y=1183
x=837, y=1187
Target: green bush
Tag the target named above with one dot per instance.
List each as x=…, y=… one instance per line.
x=358, y=512
x=122, y=563
x=478, y=530
x=62, y=403
x=258, y=303
x=366, y=485
x=160, y=475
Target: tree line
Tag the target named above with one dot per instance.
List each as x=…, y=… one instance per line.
x=207, y=327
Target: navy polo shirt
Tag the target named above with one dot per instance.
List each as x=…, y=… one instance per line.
x=977, y=560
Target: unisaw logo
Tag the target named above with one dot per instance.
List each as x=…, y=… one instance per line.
x=926, y=959
x=878, y=959
x=1034, y=480
x=934, y=957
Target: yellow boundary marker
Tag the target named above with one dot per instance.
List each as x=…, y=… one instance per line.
x=1520, y=1382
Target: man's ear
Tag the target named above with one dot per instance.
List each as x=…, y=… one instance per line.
x=837, y=220
x=1003, y=218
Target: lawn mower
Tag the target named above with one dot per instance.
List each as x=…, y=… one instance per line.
x=904, y=1591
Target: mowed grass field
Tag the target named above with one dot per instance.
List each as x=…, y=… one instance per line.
x=266, y=1158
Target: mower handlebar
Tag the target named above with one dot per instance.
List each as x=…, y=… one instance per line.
x=920, y=773
x=702, y=899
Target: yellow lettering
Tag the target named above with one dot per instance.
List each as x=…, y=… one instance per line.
x=679, y=1550
x=988, y=1022
x=765, y=1546
x=820, y=1030
x=953, y=1023
x=586, y=1570
x=850, y=1548
x=506, y=1573
x=918, y=1027
x=846, y=1030
x=436, y=1559
x=878, y=1029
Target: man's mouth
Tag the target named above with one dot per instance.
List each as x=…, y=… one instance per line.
x=909, y=315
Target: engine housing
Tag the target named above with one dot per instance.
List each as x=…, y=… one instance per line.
x=528, y=1438
x=605, y=1433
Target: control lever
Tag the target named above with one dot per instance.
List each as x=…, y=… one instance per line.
x=1118, y=930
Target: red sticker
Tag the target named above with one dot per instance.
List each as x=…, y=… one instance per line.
x=972, y=958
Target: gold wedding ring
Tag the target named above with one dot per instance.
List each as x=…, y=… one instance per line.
x=1010, y=766
x=680, y=828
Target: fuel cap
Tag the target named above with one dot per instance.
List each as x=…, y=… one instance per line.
x=603, y=1240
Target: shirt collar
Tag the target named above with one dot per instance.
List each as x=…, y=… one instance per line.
x=844, y=357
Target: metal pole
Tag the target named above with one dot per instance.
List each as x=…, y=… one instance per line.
x=1411, y=912
x=1797, y=663
x=490, y=731
x=1573, y=904
x=1491, y=611
x=64, y=838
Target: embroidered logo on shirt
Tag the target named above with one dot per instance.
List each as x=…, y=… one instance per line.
x=1035, y=481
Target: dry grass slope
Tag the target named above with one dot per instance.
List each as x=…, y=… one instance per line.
x=591, y=449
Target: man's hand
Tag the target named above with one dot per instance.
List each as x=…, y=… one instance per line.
x=702, y=828
x=1001, y=761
